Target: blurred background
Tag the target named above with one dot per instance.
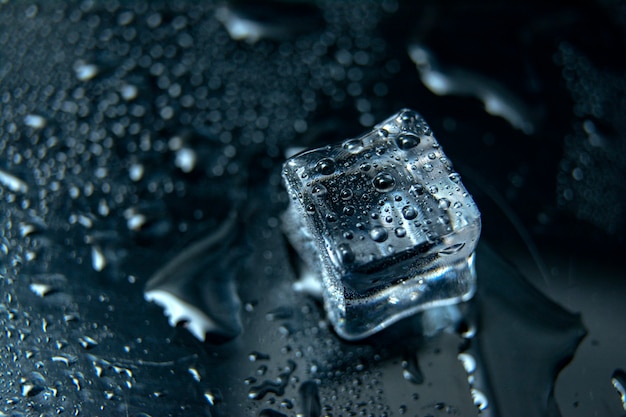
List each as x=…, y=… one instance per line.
x=131, y=131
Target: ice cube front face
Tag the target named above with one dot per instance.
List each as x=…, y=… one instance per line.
x=386, y=222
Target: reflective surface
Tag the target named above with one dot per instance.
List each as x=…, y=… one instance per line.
x=143, y=141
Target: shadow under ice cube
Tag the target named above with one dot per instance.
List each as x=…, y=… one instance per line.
x=385, y=222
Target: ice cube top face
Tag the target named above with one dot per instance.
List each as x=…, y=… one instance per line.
x=385, y=212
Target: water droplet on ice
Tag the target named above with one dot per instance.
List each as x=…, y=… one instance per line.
x=345, y=253
x=319, y=190
x=345, y=194
x=444, y=204
x=407, y=141
x=326, y=166
x=409, y=212
x=353, y=145
x=384, y=182
x=378, y=234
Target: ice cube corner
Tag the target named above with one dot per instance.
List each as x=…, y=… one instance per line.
x=386, y=223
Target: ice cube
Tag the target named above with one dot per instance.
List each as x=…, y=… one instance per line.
x=386, y=223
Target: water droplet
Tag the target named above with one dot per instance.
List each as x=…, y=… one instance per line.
x=325, y=166
x=349, y=210
x=365, y=166
x=98, y=261
x=384, y=182
x=345, y=194
x=428, y=167
x=480, y=399
x=444, y=204
x=468, y=362
x=455, y=177
x=35, y=121
x=186, y=159
x=433, y=189
x=85, y=72
x=345, y=253
x=400, y=232
x=409, y=212
x=618, y=379
x=258, y=356
x=40, y=289
x=378, y=234
x=87, y=342
x=310, y=208
x=411, y=370
x=319, y=190
x=407, y=141
x=353, y=145
x=331, y=217
x=416, y=190
x=136, y=172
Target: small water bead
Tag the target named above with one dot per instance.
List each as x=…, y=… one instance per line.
x=400, y=232
x=319, y=190
x=455, y=177
x=349, y=210
x=409, y=212
x=326, y=166
x=365, y=166
x=428, y=167
x=378, y=234
x=348, y=235
x=345, y=194
x=389, y=219
x=416, y=190
x=407, y=141
x=398, y=197
x=310, y=208
x=444, y=204
x=451, y=250
x=433, y=189
x=432, y=155
x=353, y=146
x=384, y=182
x=331, y=217
x=345, y=253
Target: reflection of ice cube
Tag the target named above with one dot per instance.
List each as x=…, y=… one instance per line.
x=386, y=222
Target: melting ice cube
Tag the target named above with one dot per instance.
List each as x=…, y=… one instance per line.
x=386, y=223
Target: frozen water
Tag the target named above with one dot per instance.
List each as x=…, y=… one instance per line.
x=386, y=223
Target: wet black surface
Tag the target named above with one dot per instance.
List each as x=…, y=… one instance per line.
x=132, y=131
